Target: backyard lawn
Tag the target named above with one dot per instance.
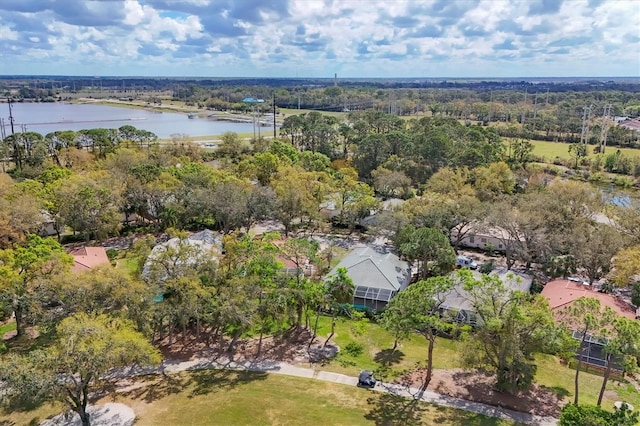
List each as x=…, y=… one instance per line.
x=243, y=398
x=365, y=345
x=368, y=346
x=554, y=375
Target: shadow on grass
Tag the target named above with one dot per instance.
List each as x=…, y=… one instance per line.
x=153, y=387
x=459, y=417
x=208, y=381
x=389, y=357
x=393, y=410
x=558, y=391
x=25, y=344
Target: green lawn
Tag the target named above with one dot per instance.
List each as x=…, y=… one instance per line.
x=373, y=350
x=129, y=264
x=551, y=150
x=243, y=398
x=553, y=374
x=5, y=328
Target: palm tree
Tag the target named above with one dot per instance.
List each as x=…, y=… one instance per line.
x=340, y=289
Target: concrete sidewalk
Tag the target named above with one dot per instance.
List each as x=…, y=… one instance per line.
x=279, y=367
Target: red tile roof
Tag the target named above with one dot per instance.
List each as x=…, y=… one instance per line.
x=630, y=124
x=88, y=258
x=561, y=293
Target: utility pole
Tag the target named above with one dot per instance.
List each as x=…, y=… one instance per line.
x=490, y=112
x=9, y=101
x=274, y=115
x=546, y=99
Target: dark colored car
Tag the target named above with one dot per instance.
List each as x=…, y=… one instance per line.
x=366, y=379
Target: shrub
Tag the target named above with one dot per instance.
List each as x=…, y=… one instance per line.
x=590, y=415
x=635, y=294
x=354, y=349
x=623, y=181
x=112, y=254
x=486, y=267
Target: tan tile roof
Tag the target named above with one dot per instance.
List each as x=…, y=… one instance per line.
x=88, y=258
x=561, y=293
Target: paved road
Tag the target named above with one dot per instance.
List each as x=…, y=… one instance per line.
x=279, y=367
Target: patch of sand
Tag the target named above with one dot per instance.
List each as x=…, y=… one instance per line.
x=109, y=414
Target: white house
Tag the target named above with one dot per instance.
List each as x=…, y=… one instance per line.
x=482, y=236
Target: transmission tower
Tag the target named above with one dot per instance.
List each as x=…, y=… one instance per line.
x=586, y=116
x=604, y=127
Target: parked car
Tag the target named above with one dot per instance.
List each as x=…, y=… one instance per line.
x=366, y=379
x=466, y=262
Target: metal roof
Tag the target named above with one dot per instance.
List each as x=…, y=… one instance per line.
x=376, y=273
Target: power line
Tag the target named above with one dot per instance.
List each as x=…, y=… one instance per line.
x=604, y=126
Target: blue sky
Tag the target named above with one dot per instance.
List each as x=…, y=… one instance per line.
x=317, y=38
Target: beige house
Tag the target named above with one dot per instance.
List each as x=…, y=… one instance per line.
x=481, y=236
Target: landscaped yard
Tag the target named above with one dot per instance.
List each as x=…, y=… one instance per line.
x=242, y=398
x=559, y=377
x=368, y=346
x=365, y=345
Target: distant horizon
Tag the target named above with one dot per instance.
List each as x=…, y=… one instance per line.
x=338, y=77
x=381, y=39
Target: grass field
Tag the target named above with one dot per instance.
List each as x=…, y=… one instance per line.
x=215, y=397
x=225, y=397
x=551, y=150
x=292, y=111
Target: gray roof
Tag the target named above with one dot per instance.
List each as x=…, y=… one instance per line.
x=458, y=299
x=375, y=268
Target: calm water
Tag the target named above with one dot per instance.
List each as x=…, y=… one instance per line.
x=50, y=117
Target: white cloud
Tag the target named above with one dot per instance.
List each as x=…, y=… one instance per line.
x=361, y=38
x=6, y=33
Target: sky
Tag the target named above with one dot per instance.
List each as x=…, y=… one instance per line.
x=320, y=38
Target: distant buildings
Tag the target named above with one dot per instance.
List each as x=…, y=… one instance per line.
x=632, y=124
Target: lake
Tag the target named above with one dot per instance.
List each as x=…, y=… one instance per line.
x=50, y=117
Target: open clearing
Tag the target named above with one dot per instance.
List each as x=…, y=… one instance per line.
x=551, y=150
x=244, y=398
